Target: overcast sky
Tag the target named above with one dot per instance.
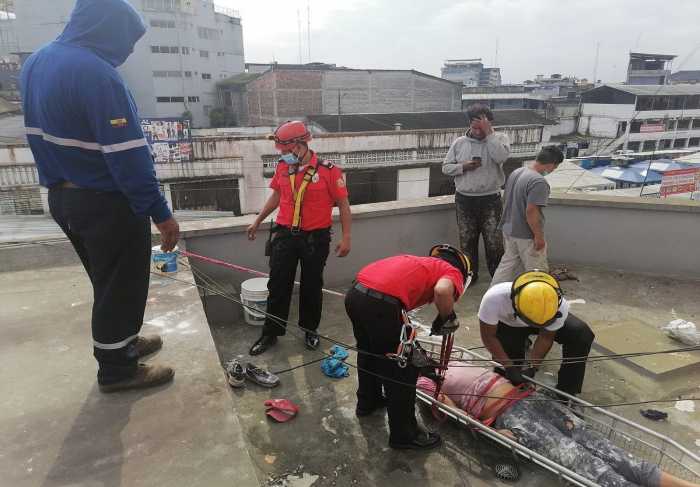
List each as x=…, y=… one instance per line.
x=533, y=36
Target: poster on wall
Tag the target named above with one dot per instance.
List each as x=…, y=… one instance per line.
x=680, y=181
x=170, y=139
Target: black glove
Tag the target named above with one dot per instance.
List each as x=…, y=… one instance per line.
x=515, y=375
x=444, y=326
x=529, y=372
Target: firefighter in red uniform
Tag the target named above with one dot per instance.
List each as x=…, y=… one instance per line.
x=305, y=189
x=376, y=303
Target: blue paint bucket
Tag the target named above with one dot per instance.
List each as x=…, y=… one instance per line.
x=165, y=262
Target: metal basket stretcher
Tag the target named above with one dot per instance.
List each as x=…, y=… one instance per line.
x=642, y=442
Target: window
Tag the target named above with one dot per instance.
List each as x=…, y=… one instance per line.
x=170, y=99
x=155, y=49
x=635, y=126
x=174, y=50
x=664, y=144
x=661, y=102
x=649, y=145
x=696, y=123
x=165, y=49
x=210, y=34
x=676, y=102
x=206, y=75
x=644, y=103
x=162, y=5
x=174, y=74
x=203, y=53
x=633, y=146
x=163, y=24
x=693, y=102
x=160, y=74
x=679, y=143
x=188, y=74
x=670, y=125
x=207, y=109
x=193, y=99
x=694, y=142
x=683, y=124
x=186, y=50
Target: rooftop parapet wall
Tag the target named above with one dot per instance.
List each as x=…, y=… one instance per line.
x=628, y=234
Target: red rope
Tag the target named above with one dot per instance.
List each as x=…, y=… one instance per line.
x=445, y=355
x=222, y=263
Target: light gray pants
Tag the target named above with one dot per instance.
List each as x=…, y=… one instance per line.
x=519, y=256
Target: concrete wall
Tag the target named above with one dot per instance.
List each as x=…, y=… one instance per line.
x=600, y=119
x=626, y=234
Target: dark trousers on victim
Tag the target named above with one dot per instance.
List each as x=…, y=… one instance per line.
x=377, y=327
x=114, y=246
x=479, y=216
x=575, y=337
x=310, y=249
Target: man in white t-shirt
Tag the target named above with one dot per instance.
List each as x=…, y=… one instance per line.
x=533, y=305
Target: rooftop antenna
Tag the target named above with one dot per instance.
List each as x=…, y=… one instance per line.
x=495, y=61
x=299, y=26
x=595, y=66
x=308, y=26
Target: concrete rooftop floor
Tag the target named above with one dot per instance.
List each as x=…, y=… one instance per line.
x=59, y=430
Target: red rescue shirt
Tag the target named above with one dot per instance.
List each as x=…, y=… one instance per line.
x=409, y=278
x=325, y=189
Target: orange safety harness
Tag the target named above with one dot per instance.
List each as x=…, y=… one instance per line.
x=298, y=196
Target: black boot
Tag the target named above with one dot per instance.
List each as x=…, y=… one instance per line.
x=424, y=440
x=263, y=343
x=311, y=340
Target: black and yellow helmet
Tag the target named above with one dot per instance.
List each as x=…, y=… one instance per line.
x=536, y=298
x=454, y=257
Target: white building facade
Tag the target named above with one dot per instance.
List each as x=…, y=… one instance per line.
x=643, y=117
x=188, y=47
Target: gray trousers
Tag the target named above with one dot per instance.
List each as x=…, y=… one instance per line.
x=551, y=430
x=519, y=256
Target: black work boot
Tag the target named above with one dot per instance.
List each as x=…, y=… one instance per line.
x=146, y=376
x=424, y=440
x=262, y=344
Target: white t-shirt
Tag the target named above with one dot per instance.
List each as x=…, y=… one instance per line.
x=496, y=306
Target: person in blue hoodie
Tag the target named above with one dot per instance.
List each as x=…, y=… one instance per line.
x=84, y=131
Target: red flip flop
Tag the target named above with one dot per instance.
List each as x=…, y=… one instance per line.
x=281, y=410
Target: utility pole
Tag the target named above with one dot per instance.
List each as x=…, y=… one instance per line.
x=299, y=27
x=595, y=67
x=308, y=26
x=340, y=121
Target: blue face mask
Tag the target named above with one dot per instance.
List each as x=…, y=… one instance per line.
x=290, y=158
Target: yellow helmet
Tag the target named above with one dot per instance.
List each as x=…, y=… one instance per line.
x=536, y=297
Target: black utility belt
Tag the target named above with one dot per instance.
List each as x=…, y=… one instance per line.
x=377, y=295
x=283, y=230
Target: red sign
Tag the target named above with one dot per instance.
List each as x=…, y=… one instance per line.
x=680, y=181
x=646, y=128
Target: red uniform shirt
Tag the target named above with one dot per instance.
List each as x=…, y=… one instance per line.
x=324, y=190
x=409, y=278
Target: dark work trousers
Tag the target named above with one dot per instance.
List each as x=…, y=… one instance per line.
x=377, y=327
x=480, y=215
x=576, y=339
x=114, y=246
x=288, y=250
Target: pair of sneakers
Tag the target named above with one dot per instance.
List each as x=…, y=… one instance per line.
x=236, y=374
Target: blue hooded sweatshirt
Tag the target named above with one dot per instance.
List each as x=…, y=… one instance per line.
x=81, y=120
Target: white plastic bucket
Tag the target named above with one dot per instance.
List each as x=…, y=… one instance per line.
x=254, y=294
x=164, y=262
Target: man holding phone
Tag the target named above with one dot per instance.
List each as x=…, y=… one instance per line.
x=476, y=160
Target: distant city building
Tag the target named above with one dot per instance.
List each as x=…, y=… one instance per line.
x=685, y=77
x=643, y=117
x=649, y=69
x=471, y=72
x=188, y=47
x=286, y=91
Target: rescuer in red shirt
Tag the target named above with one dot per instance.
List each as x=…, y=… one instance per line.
x=375, y=304
x=305, y=189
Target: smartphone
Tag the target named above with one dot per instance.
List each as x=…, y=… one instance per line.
x=477, y=159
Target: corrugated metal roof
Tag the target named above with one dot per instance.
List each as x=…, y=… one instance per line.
x=657, y=90
x=569, y=176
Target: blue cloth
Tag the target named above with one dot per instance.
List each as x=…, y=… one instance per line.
x=81, y=120
x=334, y=366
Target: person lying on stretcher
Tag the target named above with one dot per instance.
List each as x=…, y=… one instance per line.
x=545, y=426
